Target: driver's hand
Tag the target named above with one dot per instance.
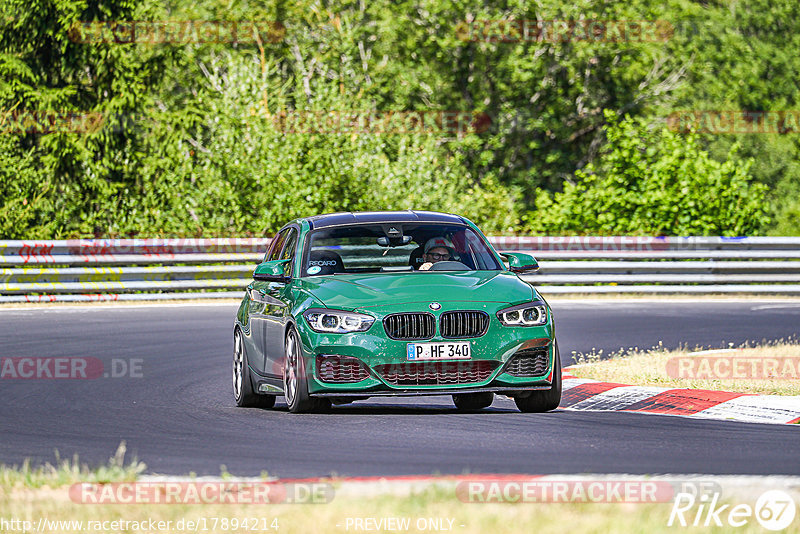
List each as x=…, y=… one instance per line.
x=425, y=266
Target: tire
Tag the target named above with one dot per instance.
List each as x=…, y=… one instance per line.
x=544, y=401
x=242, y=379
x=295, y=382
x=470, y=402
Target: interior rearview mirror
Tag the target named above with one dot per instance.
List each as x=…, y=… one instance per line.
x=394, y=241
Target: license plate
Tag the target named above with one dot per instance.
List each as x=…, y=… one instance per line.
x=439, y=351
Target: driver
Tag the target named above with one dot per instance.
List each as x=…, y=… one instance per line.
x=437, y=249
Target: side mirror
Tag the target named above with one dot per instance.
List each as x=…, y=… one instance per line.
x=272, y=271
x=519, y=262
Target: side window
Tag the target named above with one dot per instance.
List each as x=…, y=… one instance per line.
x=277, y=245
x=288, y=250
x=291, y=244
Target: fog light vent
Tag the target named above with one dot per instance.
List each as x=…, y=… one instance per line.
x=340, y=369
x=528, y=362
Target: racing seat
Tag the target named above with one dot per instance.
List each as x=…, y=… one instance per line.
x=328, y=261
x=416, y=259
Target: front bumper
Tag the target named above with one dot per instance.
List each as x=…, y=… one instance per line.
x=377, y=352
x=439, y=391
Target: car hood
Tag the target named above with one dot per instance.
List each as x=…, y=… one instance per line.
x=358, y=291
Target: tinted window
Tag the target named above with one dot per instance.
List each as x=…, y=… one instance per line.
x=277, y=245
x=290, y=246
x=288, y=251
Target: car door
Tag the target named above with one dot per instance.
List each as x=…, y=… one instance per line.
x=278, y=295
x=259, y=309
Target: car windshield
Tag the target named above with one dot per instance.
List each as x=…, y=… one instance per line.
x=367, y=248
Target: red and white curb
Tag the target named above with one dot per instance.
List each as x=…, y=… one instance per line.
x=584, y=394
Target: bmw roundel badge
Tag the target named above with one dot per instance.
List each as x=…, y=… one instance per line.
x=434, y=306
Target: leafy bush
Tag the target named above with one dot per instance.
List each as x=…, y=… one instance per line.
x=654, y=182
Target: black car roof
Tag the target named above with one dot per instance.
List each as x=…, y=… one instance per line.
x=338, y=219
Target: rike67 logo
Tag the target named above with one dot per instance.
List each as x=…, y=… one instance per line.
x=774, y=510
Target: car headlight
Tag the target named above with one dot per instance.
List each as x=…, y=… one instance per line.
x=335, y=321
x=530, y=314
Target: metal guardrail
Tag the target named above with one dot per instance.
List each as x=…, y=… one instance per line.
x=152, y=269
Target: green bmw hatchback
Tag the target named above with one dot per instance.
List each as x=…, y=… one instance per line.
x=348, y=306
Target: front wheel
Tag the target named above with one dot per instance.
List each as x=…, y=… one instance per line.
x=295, y=384
x=469, y=402
x=544, y=401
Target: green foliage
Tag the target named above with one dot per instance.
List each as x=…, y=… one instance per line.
x=654, y=183
x=190, y=145
x=235, y=171
x=26, y=192
x=785, y=209
x=740, y=56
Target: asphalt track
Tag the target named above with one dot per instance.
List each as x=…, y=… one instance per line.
x=179, y=416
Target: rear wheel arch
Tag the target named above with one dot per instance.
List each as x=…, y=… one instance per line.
x=243, y=391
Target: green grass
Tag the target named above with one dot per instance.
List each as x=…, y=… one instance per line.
x=438, y=503
x=31, y=493
x=69, y=471
x=648, y=367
